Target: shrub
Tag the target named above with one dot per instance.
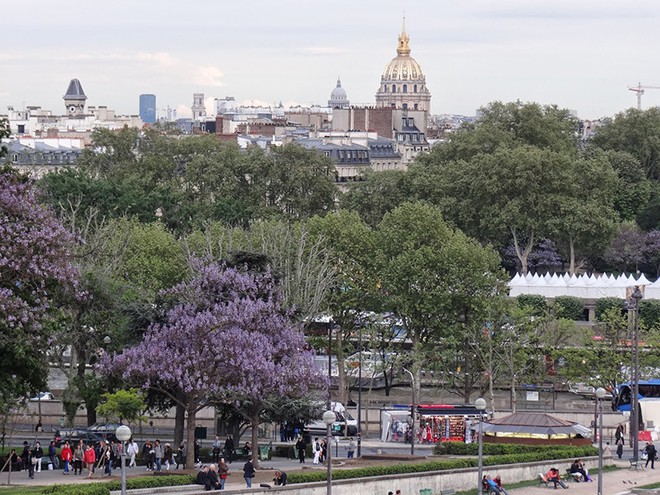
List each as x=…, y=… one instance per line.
x=104, y=488
x=649, y=312
x=569, y=307
x=534, y=302
x=602, y=305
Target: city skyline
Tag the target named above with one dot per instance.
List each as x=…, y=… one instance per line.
x=578, y=56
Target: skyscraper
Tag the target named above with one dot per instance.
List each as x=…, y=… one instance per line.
x=148, y=109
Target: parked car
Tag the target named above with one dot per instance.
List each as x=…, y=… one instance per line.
x=343, y=419
x=43, y=396
x=77, y=435
x=105, y=430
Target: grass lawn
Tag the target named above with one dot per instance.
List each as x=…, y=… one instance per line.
x=21, y=490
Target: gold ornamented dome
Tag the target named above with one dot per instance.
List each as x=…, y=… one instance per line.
x=403, y=67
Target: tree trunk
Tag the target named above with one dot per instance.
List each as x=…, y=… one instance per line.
x=523, y=254
x=571, y=248
x=255, y=440
x=179, y=425
x=190, y=435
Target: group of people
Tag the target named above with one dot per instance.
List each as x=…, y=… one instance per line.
x=157, y=455
x=493, y=485
x=213, y=477
x=226, y=448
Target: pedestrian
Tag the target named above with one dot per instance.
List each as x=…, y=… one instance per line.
x=168, y=456
x=31, y=461
x=280, y=478
x=607, y=451
x=181, y=454
x=301, y=448
x=78, y=459
x=37, y=453
x=619, y=447
x=619, y=433
x=351, y=448
x=89, y=458
x=132, y=450
x=248, y=472
x=223, y=469
x=216, y=449
x=52, y=455
x=67, y=457
x=229, y=449
x=24, y=454
x=316, y=447
x=158, y=454
x=651, y=454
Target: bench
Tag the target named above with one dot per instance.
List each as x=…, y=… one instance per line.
x=241, y=453
x=448, y=491
x=637, y=464
x=543, y=480
x=577, y=477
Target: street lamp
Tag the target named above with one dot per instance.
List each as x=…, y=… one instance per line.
x=600, y=395
x=412, y=408
x=123, y=434
x=480, y=404
x=634, y=408
x=359, y=408
x=328, y=418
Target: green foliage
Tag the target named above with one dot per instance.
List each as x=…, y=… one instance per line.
x=5, y=131
x=569, y=307
x=535, y=453
x=536, y=303
x=123, y=405
x=649, y=313
x=605, y=303
x=458, y=448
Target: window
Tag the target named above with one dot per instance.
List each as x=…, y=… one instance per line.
x=405, y=105
x=393, y=88
x=384, y=88
x=405, y=88
x=14, y=158
x=415, y=91
x=416, y=106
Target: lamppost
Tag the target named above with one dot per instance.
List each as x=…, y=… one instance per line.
x=634, y=407
x=328, y=418
x=600, y=395
x=412, y=409
x=359, y=409
x=480, y=404
x=123, y=434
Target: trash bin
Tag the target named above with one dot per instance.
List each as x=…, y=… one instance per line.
x=200, y=432
x=264, y=451
x=426, y=491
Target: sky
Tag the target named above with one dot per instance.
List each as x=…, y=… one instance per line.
x=581, y=55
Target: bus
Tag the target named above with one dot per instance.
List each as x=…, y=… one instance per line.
x=622, y=394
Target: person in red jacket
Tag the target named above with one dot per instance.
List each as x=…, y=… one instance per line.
x=89, y=458
x=67, y=456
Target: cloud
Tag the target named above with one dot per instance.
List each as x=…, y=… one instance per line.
x=321, y=50
x=162, y=59
x=209, y=75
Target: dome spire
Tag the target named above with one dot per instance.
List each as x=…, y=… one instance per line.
x=403, y=48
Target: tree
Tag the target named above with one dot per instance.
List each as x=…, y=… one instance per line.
x=123, y=405
x=652, y=250
x=376, y=194
x=627, y=249
x=635, y=132
x=633, y=192
x=5, y=132
x=227, y=339
x=435, y=279
x=35, y=265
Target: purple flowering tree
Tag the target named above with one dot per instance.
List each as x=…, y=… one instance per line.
x=35, y=265
x=628, y=246
x=225, y=339
x=652, y=250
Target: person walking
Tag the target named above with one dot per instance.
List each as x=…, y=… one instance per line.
x=216, y=449
x=132, y=450
x=351, y=448
x=229, y=449
x=248, y=472
x=168, y=456
x=301, y=447
x=158, y=454
x=37, y=453
x=31, y=461
x=619, y=447
x=67, y=457
x=316, y=447
x=651, y=454
x=89, y=458
x=78, y=459
x=223, y=469
x=52, y=455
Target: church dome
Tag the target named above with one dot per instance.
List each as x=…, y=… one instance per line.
x=338, y=97
x=403, y=67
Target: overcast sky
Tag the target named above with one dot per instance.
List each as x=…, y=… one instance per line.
x=581, y=55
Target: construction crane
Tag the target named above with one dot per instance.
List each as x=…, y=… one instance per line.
x=639, y=89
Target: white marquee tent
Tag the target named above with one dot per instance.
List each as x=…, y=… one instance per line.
x=583, y=286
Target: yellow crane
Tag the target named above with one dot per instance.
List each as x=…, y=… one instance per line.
x=639, y=89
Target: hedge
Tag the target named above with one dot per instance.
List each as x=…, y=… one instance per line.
x=459, y=448
x=569, y=307
x=518, y=454
x=649, y=312
x=602, y=305
x=104, y=488
x=535, y=302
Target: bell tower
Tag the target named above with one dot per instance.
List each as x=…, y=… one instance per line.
x=74, y=99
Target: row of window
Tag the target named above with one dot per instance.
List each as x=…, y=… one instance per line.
x=402, y=89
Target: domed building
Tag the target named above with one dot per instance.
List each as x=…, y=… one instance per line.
x=403, y=85
x=338, y=98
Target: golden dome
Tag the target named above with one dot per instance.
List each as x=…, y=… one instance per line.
x=403, y=67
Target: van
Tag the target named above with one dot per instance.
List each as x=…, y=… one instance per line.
x=343, y=420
